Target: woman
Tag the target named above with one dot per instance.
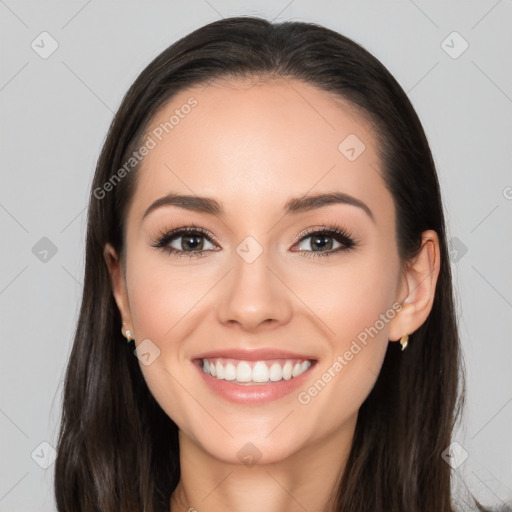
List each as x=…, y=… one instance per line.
x=266, y=231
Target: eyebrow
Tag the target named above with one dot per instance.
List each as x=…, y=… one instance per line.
x=293, y=206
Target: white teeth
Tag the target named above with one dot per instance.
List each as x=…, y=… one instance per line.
x=276, y=372
x=219, y=369
x=296, y=370
x=230, y=372
x=243, y=372
x=250, y=371
x=260, y=372
x=287, y=370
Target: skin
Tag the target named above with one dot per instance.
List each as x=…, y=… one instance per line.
x=252, y=145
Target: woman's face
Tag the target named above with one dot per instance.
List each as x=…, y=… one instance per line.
x=263, y=289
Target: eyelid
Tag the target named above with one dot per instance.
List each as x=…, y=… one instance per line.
x=177, y=232
x=336, y=229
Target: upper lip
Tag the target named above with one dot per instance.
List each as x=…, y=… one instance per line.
x=259, y=354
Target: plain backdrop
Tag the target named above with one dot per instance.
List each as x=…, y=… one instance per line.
x=64, y=68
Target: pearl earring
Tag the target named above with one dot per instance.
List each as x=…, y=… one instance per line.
x=127, y=334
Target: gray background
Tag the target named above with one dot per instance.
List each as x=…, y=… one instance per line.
x=55, y=114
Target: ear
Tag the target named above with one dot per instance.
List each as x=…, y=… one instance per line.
x=118, y=284
x=417, y=288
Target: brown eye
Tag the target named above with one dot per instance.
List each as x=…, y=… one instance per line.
x=188, y=242
x=325, y=242
x=320, y=242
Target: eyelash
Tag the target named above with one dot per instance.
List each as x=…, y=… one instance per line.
x=339, y=233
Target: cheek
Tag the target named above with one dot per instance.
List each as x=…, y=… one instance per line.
x=353, y=360
x=162, y=301
x=357, y=308
x=161, y=297
x=352, y=297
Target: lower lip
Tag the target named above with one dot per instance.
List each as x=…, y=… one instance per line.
x=259, y=393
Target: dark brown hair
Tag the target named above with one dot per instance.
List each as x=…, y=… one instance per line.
x=117, y=449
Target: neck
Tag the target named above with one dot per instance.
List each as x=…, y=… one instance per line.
x=305, y=480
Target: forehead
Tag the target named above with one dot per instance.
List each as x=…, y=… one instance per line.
x=253, y=144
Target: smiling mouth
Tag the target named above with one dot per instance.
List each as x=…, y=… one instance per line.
x=251, y=373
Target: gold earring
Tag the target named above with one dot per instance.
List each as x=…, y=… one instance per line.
x=403, y=341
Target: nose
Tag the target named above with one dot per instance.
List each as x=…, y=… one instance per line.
x=254, y=296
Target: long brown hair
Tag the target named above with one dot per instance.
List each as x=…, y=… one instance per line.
x=117, y=449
